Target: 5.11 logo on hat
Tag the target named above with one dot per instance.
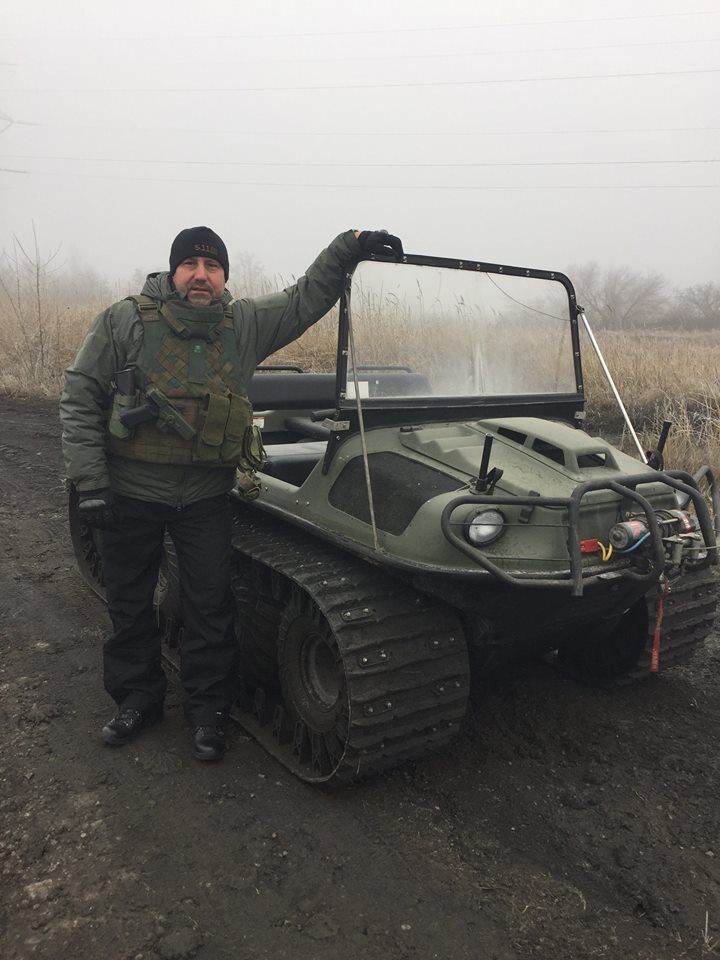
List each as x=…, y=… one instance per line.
x=198, y=242
x=204, y=249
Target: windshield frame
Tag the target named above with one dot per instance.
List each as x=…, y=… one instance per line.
x=386, y=410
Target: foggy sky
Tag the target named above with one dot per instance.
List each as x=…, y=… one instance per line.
x=135, y=120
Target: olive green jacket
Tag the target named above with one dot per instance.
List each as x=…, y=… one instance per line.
x=262, y=326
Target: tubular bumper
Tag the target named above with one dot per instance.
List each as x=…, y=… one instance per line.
x=625, y=486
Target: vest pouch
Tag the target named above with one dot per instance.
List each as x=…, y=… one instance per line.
x=121, y=403
x=253, y=449
x=247, y=486
x=212, y=429
x=238, y=421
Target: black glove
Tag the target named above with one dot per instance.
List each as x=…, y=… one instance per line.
x=380, y=242
x=96, y=507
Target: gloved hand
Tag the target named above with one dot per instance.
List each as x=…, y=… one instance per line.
x=380, y=242
x=96, y=507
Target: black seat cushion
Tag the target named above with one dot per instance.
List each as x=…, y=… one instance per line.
x=292, y=462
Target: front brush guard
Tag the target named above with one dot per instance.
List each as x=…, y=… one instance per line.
x=624, y=485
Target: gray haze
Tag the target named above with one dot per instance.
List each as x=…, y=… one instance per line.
x=134, y=120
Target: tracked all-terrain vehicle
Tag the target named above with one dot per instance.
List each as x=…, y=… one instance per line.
x=434, y=506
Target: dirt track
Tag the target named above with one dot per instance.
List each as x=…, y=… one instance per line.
x=568, y=822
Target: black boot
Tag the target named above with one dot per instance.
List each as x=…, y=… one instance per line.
x=209, y=743
x=128, y=723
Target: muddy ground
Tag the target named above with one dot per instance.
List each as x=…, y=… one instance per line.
x=567, y=823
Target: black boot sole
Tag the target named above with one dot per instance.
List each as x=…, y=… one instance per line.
x=208, y=757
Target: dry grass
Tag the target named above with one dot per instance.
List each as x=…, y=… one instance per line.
x=24, y=368
x=660, y=375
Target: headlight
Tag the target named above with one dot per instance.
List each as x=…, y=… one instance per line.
x=483, y=527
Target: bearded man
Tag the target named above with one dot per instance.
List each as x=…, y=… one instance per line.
x=156, y=424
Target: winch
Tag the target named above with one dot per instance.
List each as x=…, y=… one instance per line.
x=628, y=535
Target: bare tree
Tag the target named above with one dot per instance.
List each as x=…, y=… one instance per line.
x=81, y=284
x=698, y=307
x=24, y=283
x=619, y=298
x=26, y=293
x=127, y=286
x=248, y=277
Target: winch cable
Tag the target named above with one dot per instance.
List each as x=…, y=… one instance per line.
x=606, y=371
x=663, y=591
x=363, y=443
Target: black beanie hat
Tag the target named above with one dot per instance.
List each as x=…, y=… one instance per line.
x=198, y=242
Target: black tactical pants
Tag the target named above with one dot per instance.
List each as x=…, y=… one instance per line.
x=131, y=553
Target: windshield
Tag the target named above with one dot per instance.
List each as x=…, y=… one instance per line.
x=457, y=333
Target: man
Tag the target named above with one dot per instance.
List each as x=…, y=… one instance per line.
x=156, y=422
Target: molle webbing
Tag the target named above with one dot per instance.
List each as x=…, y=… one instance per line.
x=190, y=355
x=186, y=367
x=188, y=359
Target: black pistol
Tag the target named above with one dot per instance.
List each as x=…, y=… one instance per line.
x=158, y=407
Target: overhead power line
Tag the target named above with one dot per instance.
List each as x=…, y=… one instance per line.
x=464, y=55
x=373, y=186
x=129, y=131
x=429, y=29
x=391, y=133
x=360, y=58
x=363, y=86
x=360, y=163
x=482, y=26
x=10, y=122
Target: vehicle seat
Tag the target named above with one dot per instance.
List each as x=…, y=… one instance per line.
x=293, y=462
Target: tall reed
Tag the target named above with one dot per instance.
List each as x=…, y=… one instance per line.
x=660, y=375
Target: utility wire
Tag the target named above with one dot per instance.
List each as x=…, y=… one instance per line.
x=370, y=133
x=350, y=58
x=464, y=55
x=343, y=163
x=379, y=133
x=14, y=123
x=431, y=29
x=371, y=186
x=362, y=86
x=393, y=57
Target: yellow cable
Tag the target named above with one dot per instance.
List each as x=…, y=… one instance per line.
x=606, y=551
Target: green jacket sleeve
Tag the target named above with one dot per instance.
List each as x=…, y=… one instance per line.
x=84, y=402
x=272, y=321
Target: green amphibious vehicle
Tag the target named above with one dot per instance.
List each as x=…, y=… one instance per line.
x=433, y=508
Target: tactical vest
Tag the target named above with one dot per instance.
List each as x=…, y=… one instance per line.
x=189, y=358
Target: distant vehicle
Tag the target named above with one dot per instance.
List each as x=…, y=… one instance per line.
x=434, y=502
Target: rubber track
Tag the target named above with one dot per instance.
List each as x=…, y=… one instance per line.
x=689, y=611
x=404, y=653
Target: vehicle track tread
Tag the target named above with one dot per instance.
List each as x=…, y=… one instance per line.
x=399, y=647
x=689, y=611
